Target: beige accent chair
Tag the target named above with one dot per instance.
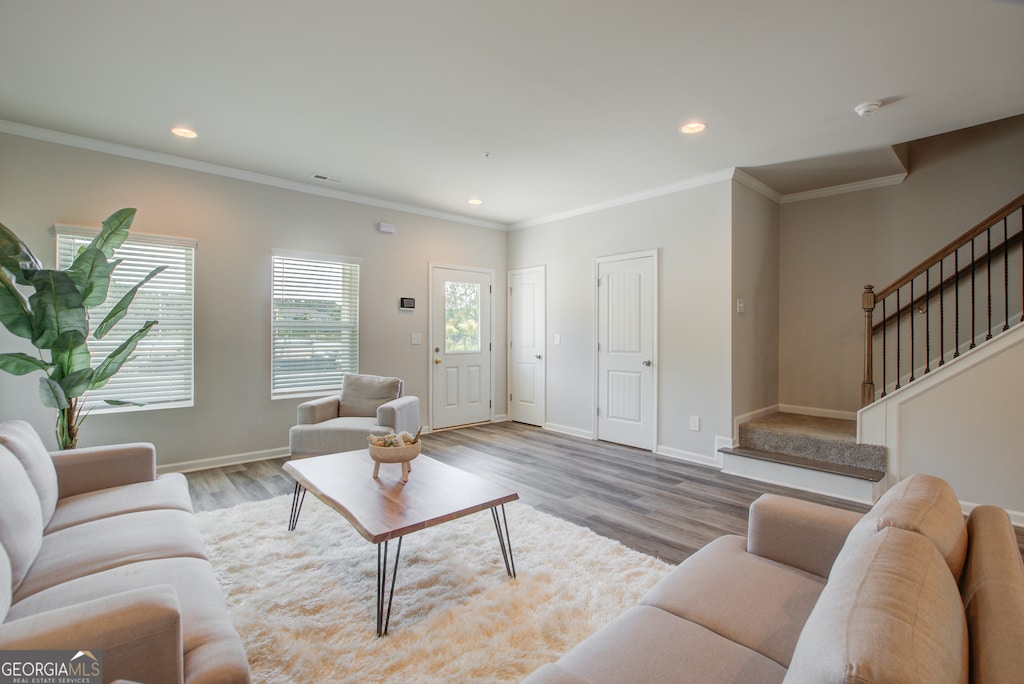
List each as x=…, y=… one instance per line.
x=367, y=405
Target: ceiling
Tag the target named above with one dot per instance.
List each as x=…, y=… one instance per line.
x=536, y=107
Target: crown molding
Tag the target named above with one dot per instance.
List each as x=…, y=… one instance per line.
x=745, y=179
x=81, y=142
x=650, y=193
x=880, y=182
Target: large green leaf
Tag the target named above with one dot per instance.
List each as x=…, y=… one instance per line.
x=70, y=354
x=112, y=364
x=91, y=275
x=78, y=383
x=114, y=232
x=14, y=311
x=121, y=308
x=22, y=364
x=56, y=308
x=52, y=394
x=15, y=257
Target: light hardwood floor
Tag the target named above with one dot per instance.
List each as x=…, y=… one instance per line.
x=657, y=505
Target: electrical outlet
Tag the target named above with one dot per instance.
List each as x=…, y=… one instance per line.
x=695, y=423
x=416, y=338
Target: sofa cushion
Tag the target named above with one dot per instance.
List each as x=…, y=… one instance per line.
x=890, y=613
x=992, y=588
x=111, y=542
x=361, y=395
x=923, y=504
x=758, y=603
x=206, y=627
x=168, y=491
x=22, y=440
x=647, y=644
x=21, y=518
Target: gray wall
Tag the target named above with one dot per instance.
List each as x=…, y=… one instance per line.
x=831, y=247
x=236, y=224
x=691, y=230
x=755, y=280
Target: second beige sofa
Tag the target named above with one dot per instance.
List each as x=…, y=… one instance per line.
x=909, y=592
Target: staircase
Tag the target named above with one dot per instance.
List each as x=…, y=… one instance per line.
x=964, y=297
x=821, y=454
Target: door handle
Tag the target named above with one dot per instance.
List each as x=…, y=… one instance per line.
x=647, y=363
x=437, y=360
x=537, y=356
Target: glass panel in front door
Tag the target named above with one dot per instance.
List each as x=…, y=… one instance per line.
x=462, y=317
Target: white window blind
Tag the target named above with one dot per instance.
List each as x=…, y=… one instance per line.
x=160, y=372
x=314, y=322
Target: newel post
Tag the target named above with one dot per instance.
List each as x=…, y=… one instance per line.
x=867, y=388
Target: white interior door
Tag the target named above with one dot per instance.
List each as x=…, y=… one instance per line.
x=626, y=363
x=526, y=364
x=460, y=339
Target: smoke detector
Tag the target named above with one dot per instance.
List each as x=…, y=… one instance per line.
x=867, y=108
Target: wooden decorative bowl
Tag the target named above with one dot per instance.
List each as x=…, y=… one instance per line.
x=402, y=454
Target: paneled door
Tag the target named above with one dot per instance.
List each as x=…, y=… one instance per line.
x=526, y=353
x=460, y=339
x=627, y=349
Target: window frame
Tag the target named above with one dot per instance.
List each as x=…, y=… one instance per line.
x=94, y=400
x=306, y=391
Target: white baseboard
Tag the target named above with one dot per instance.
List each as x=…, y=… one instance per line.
x=753, y=415
x=567, y=430
x=818, y=412
x=221, y=461
x=690, y=456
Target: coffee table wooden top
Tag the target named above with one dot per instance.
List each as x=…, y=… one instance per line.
x=384, y=508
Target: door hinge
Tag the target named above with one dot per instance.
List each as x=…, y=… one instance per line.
x=490, y=404
x=510, y=397
x=598, y=410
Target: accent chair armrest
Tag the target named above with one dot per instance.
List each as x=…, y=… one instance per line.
x=318, y=410
x=402, y=413
x=137, y=631
x=798, y=533
x=91, y=468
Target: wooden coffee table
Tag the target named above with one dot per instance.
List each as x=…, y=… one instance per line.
x=385, y=508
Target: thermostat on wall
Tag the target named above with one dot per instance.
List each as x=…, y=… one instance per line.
x=406, y=303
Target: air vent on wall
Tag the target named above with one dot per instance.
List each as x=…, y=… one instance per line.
x=326, y=179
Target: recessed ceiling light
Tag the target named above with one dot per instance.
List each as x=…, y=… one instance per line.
x=693, y=127
x=183, y=132
x=475, y=201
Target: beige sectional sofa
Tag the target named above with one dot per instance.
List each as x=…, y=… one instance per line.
x=98, y=553
x=909, y=592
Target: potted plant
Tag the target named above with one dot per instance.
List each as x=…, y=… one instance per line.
x=55, y=318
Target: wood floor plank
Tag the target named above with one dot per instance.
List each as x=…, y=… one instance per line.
x=660, y=506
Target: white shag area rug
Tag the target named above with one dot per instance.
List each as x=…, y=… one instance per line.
x=304, y=601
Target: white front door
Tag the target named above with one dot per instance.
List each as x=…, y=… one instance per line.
x=526, y=346
x=460, y=339
x=627, y=347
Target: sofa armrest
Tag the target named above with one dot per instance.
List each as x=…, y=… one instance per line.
x=92, y=468
x=318, y=410
x=553, y=673
x=403, y=414
x=137, y=631
x=804, y=535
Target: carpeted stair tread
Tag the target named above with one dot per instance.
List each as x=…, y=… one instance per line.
x=829, y=440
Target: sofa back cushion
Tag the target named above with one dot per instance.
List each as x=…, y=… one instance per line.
x=362, y=394
x=891, y=613
x=21, y=519
x=921, y=503
x=992, y=587
x=23, y=441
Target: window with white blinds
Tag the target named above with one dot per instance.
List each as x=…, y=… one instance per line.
x=160, y=372
x=314, y=322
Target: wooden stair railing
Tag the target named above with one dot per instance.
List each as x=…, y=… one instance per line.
x=959, y=269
